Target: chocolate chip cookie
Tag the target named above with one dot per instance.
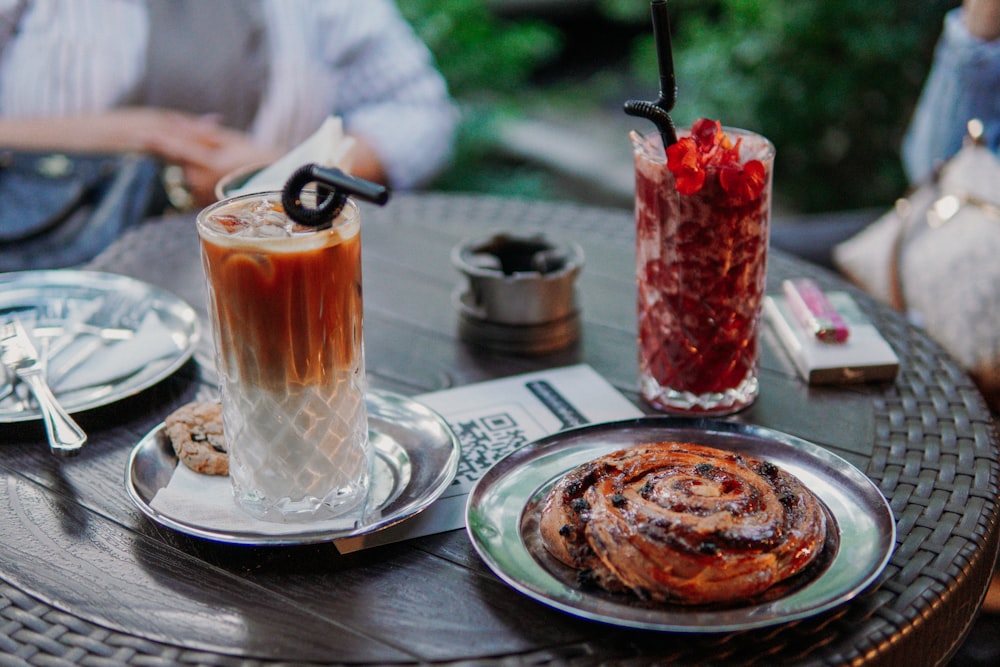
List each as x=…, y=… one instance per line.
x=195, y=431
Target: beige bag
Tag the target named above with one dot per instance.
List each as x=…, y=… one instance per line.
x=936, y=256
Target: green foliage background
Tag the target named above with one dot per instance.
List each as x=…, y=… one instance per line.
x=488, y=62
x=831, y=82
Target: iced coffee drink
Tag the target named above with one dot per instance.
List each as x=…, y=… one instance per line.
x=286, y=310
x=702, y=218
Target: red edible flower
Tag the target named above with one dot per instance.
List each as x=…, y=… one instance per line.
x=708, y=147
x=685, y=164
x=709, y=135
x=744, y=184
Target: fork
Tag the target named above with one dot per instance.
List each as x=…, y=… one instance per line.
x=19, y=355
x=117, y=318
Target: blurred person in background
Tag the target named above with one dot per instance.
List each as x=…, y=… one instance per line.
x=964, y=83
x=214, y=86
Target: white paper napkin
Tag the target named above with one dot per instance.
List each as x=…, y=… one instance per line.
x=327, y=146
x=114, y=360
x=206, y=501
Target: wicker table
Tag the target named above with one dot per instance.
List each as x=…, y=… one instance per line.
x=85, y=578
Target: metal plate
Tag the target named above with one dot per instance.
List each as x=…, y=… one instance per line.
x=417, y=457
x=50, y=297
x=501, y=518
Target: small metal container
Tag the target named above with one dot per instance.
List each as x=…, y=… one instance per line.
x=520, y=293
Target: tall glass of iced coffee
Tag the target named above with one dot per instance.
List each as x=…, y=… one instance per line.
x=286, y=312
x=703, y=209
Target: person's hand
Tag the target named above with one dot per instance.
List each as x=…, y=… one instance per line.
x=116, y=130
x=365, y=162
x=202, y=148
x=982, y=18
x=206, y=151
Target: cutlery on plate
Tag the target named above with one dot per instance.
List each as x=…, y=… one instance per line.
x=118, y=318
x=53, y=339
x=103, y=322
x=83, y=329
x=9, y=380
x=19, y=355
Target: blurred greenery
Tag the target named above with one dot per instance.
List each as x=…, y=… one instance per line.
x=487, y=60
x=831, y=82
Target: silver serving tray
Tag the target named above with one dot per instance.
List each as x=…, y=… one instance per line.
x=417, y=456
x=46, y=295
x=503, y=509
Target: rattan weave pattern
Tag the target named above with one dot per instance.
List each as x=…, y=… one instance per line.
x=33, y=633
x=935, y=459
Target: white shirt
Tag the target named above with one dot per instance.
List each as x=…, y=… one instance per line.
x=356, y=59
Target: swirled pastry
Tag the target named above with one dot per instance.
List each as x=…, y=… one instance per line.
x=682, y=523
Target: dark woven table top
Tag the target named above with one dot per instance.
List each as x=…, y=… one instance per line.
x=927, y=440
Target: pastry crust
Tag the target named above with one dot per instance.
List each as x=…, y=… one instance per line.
x=683, y=523
x=195, y=432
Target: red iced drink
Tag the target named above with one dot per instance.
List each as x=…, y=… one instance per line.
x=702, y=218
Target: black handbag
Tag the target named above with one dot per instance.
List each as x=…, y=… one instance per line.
x=61, y=209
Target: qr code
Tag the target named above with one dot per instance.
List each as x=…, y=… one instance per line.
x=485, y=440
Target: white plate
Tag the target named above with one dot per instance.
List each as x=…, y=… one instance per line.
x=503, y=509
x=51, y=298
x=417, y=457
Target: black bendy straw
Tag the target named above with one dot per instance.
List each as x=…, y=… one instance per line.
x=333, y=187
x=659, y=111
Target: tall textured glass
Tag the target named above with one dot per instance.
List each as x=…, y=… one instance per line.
x=286, y=311
x=702, y=222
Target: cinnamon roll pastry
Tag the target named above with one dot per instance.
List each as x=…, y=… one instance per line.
x=682, y=523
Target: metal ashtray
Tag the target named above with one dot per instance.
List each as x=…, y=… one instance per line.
x=520, y=292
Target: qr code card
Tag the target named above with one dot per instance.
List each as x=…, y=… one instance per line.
x=494, y=418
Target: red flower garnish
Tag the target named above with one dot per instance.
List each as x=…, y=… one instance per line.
x=745, y=184
x=708, y=148
x=709, y=135
x=684, y=162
